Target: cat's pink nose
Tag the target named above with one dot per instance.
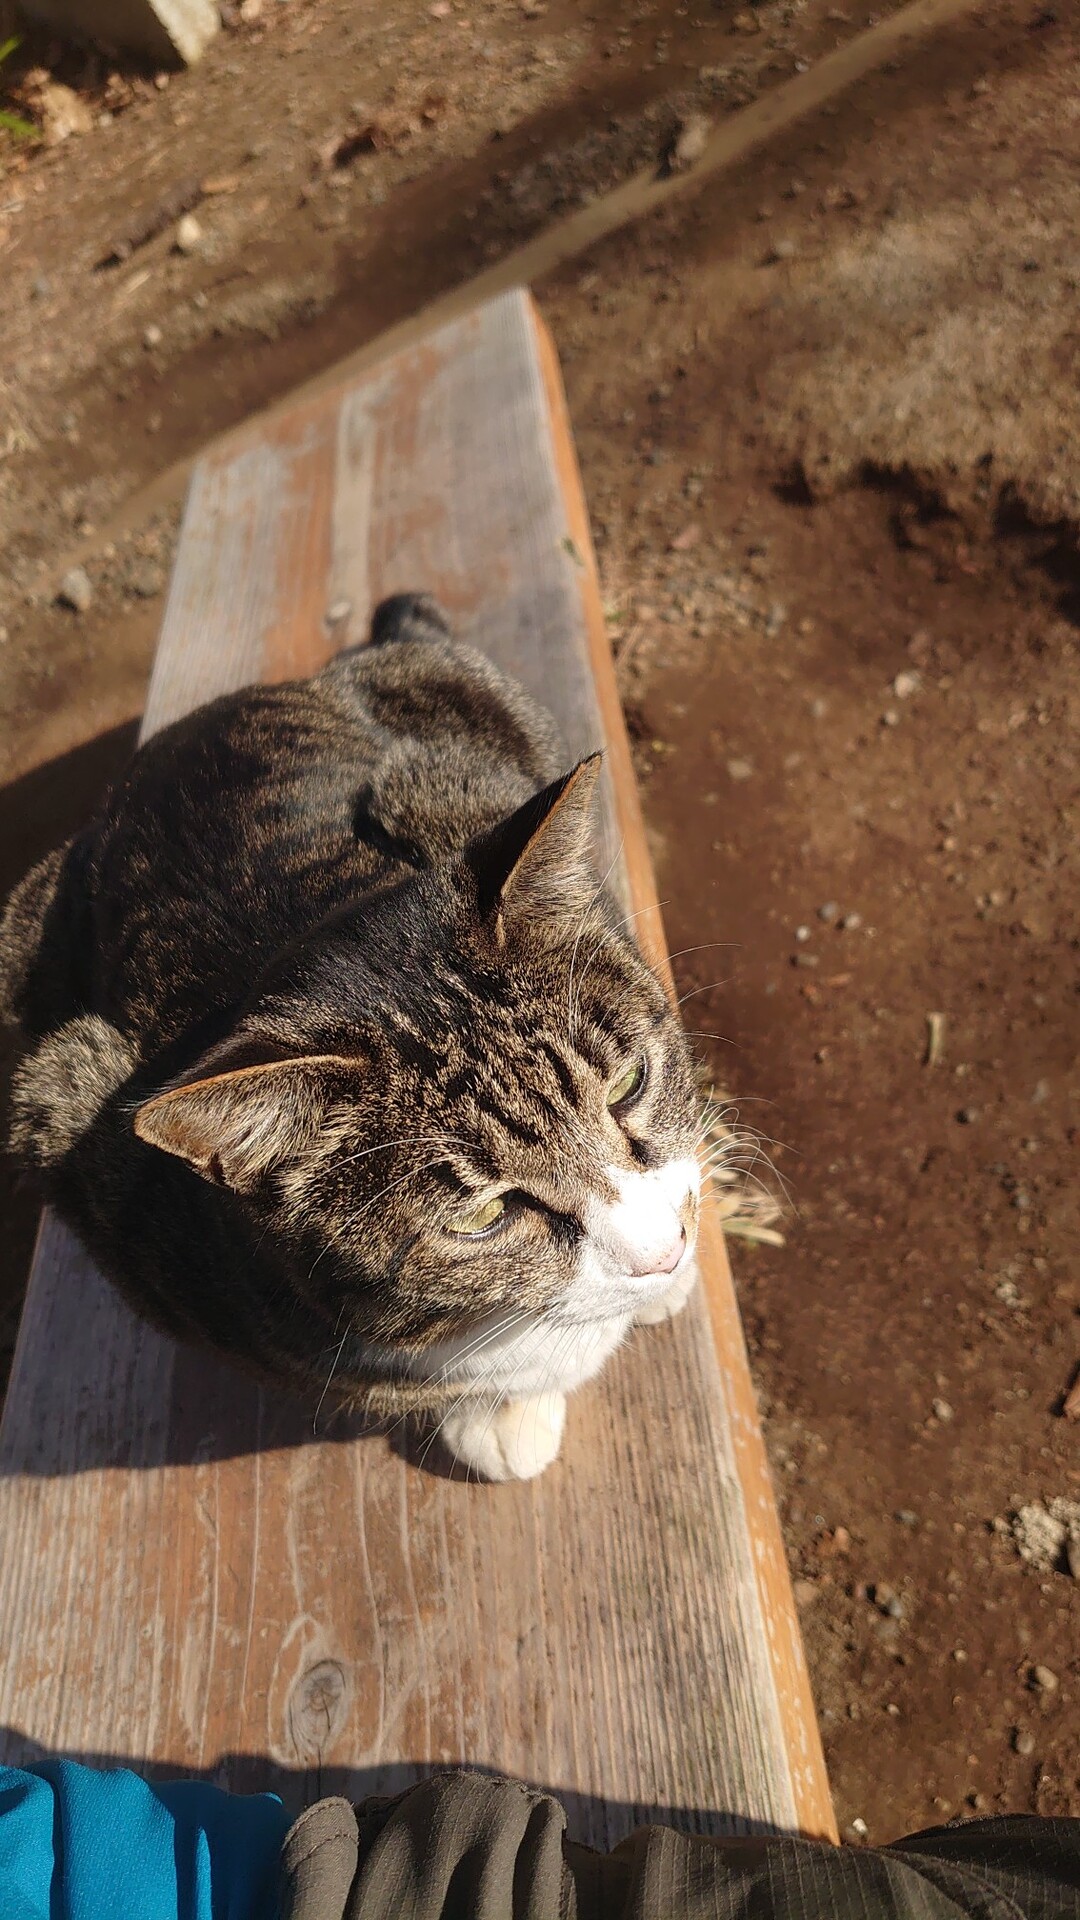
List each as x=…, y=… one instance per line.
x=670, y=1260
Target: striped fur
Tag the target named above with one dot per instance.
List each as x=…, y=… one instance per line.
x=331, y=967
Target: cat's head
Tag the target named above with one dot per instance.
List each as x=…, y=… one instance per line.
x=466, y=1098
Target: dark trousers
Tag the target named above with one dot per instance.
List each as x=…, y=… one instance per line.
x=465, y=1847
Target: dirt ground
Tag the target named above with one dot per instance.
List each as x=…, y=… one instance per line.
x=827, y=410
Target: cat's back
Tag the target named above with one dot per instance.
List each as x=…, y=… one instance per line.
x=230, y=834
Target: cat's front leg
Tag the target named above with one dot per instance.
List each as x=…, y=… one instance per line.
x=515, y=1440
x=671, y=1302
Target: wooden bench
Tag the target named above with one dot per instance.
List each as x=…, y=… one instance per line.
x=190, y=1580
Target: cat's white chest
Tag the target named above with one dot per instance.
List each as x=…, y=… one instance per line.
x=525, y=1356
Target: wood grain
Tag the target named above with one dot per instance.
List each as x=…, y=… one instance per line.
x=190, y=1580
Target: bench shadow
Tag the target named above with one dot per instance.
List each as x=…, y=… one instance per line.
x=594, y=1821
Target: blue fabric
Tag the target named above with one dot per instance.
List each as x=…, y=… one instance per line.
x=80, y=1845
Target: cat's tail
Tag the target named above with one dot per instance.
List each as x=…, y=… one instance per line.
x=409, y=616
x=60, y=1088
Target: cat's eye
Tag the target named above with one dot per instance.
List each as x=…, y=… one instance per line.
x=473, y=1221
x=628, y=1085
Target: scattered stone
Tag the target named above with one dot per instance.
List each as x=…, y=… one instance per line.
x=147, y=579
x=802, y=935
x=689, y=143
x=688, y=538
x=851, y=922
x=959, y=1654
x=905, y=684
x=806, y=1592
x=1048, y=1535
x=942, y=1411
x=780, y=250
x=153, y=336
x=828, y=912
x=746, y=22
x=906, y=1517
x=1023, y=1742
x=890, y=717
x=188, y=235
x=740, y=769
x=888, y=1601
x=339, y=611
x=75, y=590
x=806, y=959
x=61, y=110
x=145, y=226
x=967, y=1116
x=41, y=288
x=1044, y=1679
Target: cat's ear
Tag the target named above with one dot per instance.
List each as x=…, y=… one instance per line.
x=536, y=861
x=233, y=1127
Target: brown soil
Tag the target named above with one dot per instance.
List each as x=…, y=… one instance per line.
x=827, y=414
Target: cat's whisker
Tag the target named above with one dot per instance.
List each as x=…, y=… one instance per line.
x=391, y=1187
x=710, y=987
x=409, y=1140
x=606, y=939
x=475, y=1389
x=615, y=858
x=329, y=1378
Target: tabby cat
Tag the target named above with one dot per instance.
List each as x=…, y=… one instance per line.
x=339, y=1059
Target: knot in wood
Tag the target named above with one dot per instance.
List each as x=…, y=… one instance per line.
x=318, y=1707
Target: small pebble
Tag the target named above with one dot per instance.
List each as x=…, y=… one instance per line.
x=75, y=590
x=1023, y=1742
x=1044, y=1679
x=780, y=250
x=818, y=709
x=147, y=579
x=905, y=684
x=740, y=769
x=828, y=912
x=851, y=922
x=41, y=288
x=188, y=235
x=907, y=1518
x=802, y=935
x=942, y=1411
x=152, y=337
x=967, y=1116
x=806, y=959
x=689, y=144
x=890, y=717
x=888, y=1601
x=340, y=611
x=806, y=1592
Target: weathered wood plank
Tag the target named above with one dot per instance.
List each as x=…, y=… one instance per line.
x=189, y=1578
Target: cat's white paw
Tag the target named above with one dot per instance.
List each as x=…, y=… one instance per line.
x=671, y=1302
x=516, y=1441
